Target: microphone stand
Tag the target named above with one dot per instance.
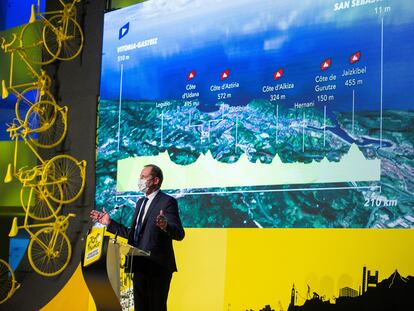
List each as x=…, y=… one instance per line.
x=120, y=221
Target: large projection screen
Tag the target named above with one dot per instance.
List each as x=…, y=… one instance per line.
x=268, y=114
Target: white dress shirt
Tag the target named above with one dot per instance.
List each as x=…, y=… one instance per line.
x=150, y=199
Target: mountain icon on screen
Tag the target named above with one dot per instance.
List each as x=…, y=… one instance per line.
x=225, y=74
x=123, y=31
x=355, y=57
x=278, y=74
x=326, y=64
x=191, y=75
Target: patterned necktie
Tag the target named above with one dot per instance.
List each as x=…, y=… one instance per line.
x=139, y=222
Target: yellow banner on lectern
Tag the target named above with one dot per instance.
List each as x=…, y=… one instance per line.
x=93, y=246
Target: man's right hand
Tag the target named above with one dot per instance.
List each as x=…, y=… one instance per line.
x=101, y=217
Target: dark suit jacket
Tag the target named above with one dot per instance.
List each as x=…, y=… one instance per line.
x=151, y=237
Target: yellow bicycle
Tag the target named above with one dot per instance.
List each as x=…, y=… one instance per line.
x=8, y=284
x=49, y=249
x=62, y=173
x=27, y=93
x=32, y=187
x=58, y=37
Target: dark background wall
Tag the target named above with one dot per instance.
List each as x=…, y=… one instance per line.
x=76, y=85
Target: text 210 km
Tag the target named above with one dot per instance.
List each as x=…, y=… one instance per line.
x=378, y=202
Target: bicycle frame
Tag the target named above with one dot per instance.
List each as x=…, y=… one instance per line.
x=43, y=81
x=37, y=170
x=14, y=135
x=59, y=226
x=68, y=11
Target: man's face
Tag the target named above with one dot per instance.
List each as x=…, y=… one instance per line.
x=151, y=181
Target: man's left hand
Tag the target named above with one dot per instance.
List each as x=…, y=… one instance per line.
x=161, y=221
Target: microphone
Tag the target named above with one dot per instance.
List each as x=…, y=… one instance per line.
x=117, y=207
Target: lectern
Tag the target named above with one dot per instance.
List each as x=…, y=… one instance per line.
x=102, y=269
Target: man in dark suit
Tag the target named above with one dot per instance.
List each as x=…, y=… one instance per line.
x=155, y=224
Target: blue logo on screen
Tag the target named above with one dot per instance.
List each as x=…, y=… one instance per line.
x=123, y=31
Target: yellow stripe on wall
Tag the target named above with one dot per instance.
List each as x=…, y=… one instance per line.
x=262, y=264
x=239, y=269
x=73, y=296
x=200, y=280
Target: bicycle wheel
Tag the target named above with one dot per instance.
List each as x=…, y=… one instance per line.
x=70, y=35
x=7, y=281
x=36, y=203
x=54, y=134
x=49, y=251
x=28, y=98
x=66, y=172
x=40, y=117
x=33, y=43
